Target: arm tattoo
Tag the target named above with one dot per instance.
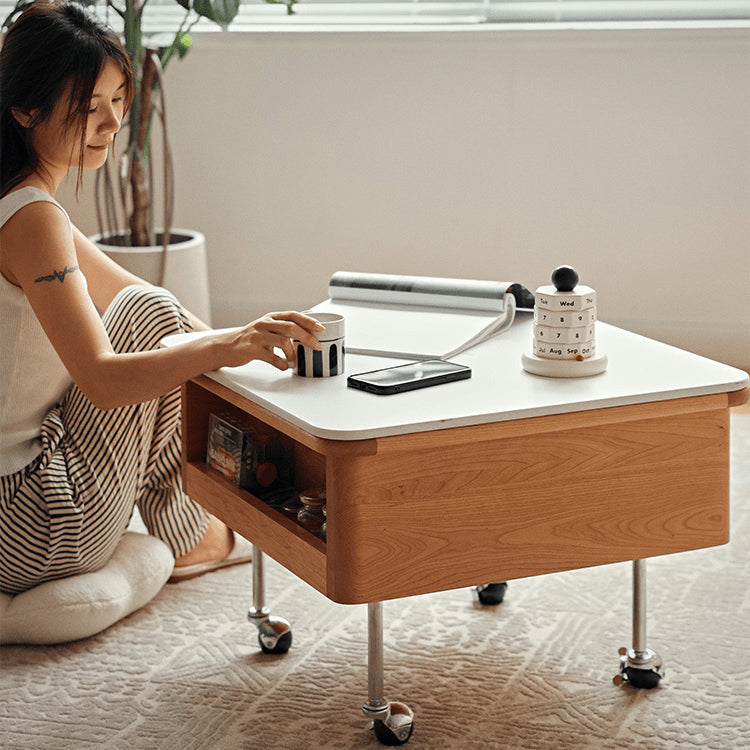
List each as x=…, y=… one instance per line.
x=59, y=275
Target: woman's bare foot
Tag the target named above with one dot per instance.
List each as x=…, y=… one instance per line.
x=216, y=544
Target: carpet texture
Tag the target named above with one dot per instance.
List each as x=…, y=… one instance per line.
x=185, y=672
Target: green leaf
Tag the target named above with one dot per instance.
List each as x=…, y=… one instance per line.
x=183, y=44
x=21, y=6
x=169, y=44
x=289, y=5
x=218, y=11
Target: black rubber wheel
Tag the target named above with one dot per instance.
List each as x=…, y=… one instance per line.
x=492, y=593
x=386, y=736
x=642, y=678
x=282, y=645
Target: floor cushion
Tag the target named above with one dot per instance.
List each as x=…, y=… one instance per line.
x=79, y=606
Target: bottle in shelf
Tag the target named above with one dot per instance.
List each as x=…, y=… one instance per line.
x=312, y=514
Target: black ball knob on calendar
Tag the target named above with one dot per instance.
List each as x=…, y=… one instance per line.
x=565, y=278
x=564, y=340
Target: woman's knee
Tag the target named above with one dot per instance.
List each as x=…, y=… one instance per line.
x=140, y=316
x=144, y=296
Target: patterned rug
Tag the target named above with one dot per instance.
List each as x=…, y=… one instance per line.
x=535, y=672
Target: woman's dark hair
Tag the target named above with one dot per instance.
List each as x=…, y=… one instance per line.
x=50, y=47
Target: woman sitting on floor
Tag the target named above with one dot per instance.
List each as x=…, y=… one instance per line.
x=89, y=402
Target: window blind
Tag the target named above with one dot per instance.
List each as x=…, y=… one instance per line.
x=161, y=13
x=503, y=11
x=529, y=11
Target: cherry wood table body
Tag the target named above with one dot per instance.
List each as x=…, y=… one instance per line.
x=414, y=513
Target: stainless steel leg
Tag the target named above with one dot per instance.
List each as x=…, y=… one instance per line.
x=639, y=606
x=639, y=665
x=392, y=721
x=258, y=611
x=376, y=706
x=274, y=633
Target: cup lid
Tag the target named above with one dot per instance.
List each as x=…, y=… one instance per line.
x=333, y=322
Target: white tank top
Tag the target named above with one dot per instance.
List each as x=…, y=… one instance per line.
x=32, y=377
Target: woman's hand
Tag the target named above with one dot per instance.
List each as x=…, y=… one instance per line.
x=259, y=339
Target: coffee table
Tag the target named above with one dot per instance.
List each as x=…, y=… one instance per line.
x=502, y=476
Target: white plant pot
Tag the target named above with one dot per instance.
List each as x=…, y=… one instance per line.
x=186, y=270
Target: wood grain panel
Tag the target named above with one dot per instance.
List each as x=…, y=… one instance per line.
x=552, y=423
x=278, y=536
x=738, y=398
x=423, y=520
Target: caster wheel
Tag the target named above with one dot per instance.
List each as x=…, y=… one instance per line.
x=642, y=678
x=282, y=645
x=492, y=593
x=386, y=736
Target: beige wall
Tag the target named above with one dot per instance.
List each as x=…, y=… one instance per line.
x=484, y=154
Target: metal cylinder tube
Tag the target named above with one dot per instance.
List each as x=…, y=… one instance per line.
x=258, y=611
x=639, y=607
x=375, y=655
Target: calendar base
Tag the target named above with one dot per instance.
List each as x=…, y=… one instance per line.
x=564, y=368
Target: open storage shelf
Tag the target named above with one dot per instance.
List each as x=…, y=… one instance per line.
x=268, y=528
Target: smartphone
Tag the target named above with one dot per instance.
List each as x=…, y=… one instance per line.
x=408, y=377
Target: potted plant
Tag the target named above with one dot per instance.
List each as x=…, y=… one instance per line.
x=125, y=187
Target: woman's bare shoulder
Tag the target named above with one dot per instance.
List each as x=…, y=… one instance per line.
x=39, y=216
x=37, y=232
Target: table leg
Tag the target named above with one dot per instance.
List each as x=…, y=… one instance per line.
x=274, y=633
x=640, y=666
x=392, y=721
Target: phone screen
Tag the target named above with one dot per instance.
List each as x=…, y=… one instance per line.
x=409, y=377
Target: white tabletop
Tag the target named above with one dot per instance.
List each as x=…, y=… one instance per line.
x=640, y=370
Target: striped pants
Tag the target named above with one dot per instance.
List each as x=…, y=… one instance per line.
x=66, y=512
